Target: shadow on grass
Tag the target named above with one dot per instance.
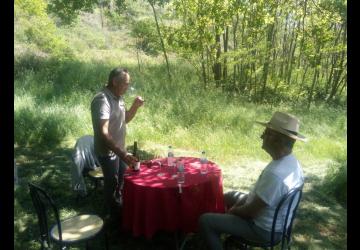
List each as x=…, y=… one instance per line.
x=321, y=221
x=51, y=171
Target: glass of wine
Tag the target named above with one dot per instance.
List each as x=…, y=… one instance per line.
x=161, y=173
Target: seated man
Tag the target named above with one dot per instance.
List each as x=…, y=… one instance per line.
x=250, y=215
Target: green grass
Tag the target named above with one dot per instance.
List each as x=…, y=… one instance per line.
x=184, y=115
x=52, y=109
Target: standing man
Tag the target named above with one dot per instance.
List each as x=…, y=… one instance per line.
x=250, y=215
x=109, y=119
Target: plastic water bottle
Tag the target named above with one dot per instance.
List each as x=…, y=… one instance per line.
x=170, y=158
x=203, y=163
x=180, y=173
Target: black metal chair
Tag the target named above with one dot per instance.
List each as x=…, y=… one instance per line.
x=76, y=229
x=96, y=176
x=286, y=232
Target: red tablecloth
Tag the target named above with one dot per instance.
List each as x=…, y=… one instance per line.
x=153, y=202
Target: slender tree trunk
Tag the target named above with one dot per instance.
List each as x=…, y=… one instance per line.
x=152, y=2
x=315, y=77
x=217, y=65
x=302, y=82
x=343, y=85
x=303, y=33
x=292, y=53
x=226, y=39
x=270, y=42
x=316, y=74
x=341, y=66
x=101, y=14
x=235, y=25
x=208, y=63
x=203, y=67
x=267, y=59
x=138, y=58
x=330, y=76
x=284, y=52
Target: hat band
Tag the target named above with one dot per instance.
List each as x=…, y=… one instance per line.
x=291, y=132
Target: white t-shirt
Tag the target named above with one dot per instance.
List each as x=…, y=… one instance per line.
x=108, y=107
x=278, y=177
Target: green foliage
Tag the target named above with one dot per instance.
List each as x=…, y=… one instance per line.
x=146, y=36
x=44, y=34
x=51, y=109
x=335, y=181
x=68, y=10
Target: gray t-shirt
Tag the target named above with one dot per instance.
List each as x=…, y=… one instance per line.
x=277, y=179
x=106, y=106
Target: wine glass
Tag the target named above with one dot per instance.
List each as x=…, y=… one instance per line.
x=158, y=163
x=131, y=91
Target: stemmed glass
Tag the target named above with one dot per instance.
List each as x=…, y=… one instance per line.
x=160, y=168
x=131, y=91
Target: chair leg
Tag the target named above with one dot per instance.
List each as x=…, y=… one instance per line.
x=86, y=245
x=106, y=240
x=186, y=238
x=96, y=184
x=176, y=240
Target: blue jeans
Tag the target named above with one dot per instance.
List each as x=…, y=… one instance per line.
x=113, y=170
x=212, y=225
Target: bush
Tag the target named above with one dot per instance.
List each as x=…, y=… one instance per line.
x=335, y=182
x=44, y=34
x=147, y=37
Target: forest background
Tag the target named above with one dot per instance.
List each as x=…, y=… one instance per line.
x=207, y=69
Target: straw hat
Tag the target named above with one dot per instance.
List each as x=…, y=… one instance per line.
x=285, y=124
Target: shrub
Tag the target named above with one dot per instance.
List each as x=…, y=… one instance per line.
x=147, y=39
x=335, y=182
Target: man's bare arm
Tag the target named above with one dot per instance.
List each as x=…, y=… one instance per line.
x=106, y=137
x=129, y=114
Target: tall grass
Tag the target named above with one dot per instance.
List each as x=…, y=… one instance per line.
x=52, y=104
x=52, y=109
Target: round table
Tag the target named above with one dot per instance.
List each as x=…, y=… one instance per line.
x=153, y=202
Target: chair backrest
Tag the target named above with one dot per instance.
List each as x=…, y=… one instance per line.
x=41, y=201
x=84, y=154
x=287, y=202
x=84, y=159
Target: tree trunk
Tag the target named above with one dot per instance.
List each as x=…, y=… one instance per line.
x=315, y=77
x=302, y=82
x=203, y=68
x=282, y=65
x=267, y=59
x=235, y=25
x=101, y=15
x=292, y=53
x=151, y=2
x=303, y=33
x=316, y=73
x=226, y=39
x=217, y=65
x=138, y=58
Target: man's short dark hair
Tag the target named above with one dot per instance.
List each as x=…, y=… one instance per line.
x=117, y=73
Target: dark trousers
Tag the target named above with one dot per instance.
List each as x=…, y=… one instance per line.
x=113, y=170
